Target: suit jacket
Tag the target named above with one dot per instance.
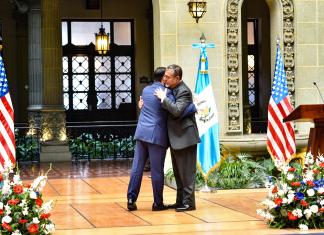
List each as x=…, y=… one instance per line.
x=182, y=132
x=152, y=122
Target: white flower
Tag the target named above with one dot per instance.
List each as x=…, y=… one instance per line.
x=49, y=228
x=39, y=183
x=32, y=195
x=7, y=209
x=309, y=176
x=6, y=187
x=281, y=192
x=322, y=202
x=6, y=219
x=290, y=176
x=284, y=200
x=16, y=179
x=25, y=211
x=310, y=192
x=291, y=197
x=303, y=227
x=17, y=232
x=314, y=208
x=35, y=220
x=298, y=213
x=260, y=212
x=307, y=213
x=47, y=206
x=320, y=190
x=1, y=205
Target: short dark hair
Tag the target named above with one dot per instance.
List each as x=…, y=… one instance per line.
x=177, y=70
x=158, y=74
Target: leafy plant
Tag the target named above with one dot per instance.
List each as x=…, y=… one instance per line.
x=239, y=171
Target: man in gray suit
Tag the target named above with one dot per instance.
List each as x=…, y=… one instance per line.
x=183, y=137
x=151, y=142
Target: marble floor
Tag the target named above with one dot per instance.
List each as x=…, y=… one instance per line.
x=90, y=199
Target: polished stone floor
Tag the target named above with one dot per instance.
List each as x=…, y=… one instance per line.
x=90, y=199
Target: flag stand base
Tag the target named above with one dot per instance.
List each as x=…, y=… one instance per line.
x=205, y=189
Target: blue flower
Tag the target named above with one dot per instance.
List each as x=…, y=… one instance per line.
x=300, y=195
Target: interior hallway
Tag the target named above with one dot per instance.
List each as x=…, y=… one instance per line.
x=91, y=200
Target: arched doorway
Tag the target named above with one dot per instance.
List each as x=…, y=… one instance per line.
x=282, y=25
x=256, y=65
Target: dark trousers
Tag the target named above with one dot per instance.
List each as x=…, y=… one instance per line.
x=184, y=168
x=156, y=153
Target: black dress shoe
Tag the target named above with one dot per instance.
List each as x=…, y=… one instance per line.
x=185, y=208
x=131, y=205
x=173, y=206
x=161, y=207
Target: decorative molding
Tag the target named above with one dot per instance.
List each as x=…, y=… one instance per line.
x=52, y=125
x=234, y=125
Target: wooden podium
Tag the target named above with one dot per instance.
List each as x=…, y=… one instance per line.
x=311, y=113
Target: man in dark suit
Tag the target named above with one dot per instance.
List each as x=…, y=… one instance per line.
x=183, y=137
x=151, y=142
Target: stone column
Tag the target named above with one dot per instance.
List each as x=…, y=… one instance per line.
x=34, y=64
x=53, y=131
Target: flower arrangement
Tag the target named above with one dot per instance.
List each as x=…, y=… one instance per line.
x=22, y=210
x=296, y=199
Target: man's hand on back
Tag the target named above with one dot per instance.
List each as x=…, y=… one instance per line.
x=140, y=103
x=160, y=93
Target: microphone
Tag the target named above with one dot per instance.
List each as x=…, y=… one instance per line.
x=318, y=90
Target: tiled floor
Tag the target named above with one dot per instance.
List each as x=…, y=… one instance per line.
x=91, y=200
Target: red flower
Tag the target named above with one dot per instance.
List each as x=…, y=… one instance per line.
x=321, y=164
x=291, y=169
x=7, y=227
x=45, y=215
x=1, y=178
x=278, y=201
x=33, y=228
x=295, y=198
x=18, y=189
x=310, y=183
x=303, y=203
x=22, y=221
x=321, y=210
x=13, y=202
x=295, y=184
x=291, y=216
x=1, y=211
x=275, y=189
x=39, y=201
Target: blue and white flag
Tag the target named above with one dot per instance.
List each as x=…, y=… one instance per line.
x=208, y=150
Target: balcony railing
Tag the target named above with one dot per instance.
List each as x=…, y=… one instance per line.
x=106, y=140
x=87, y=141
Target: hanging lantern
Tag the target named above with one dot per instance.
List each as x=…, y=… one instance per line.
x=102, y=38
x=102, y=41
x=197, y=9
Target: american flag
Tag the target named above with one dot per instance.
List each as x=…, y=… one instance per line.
x=7, y=137
x=280, y=136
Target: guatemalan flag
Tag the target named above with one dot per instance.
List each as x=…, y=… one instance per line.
x=7, y=136
x=208, y=151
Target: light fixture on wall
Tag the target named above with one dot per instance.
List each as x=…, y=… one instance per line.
x=197, y=8
x=102, y=38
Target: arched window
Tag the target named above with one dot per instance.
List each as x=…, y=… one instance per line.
x=256, y=65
